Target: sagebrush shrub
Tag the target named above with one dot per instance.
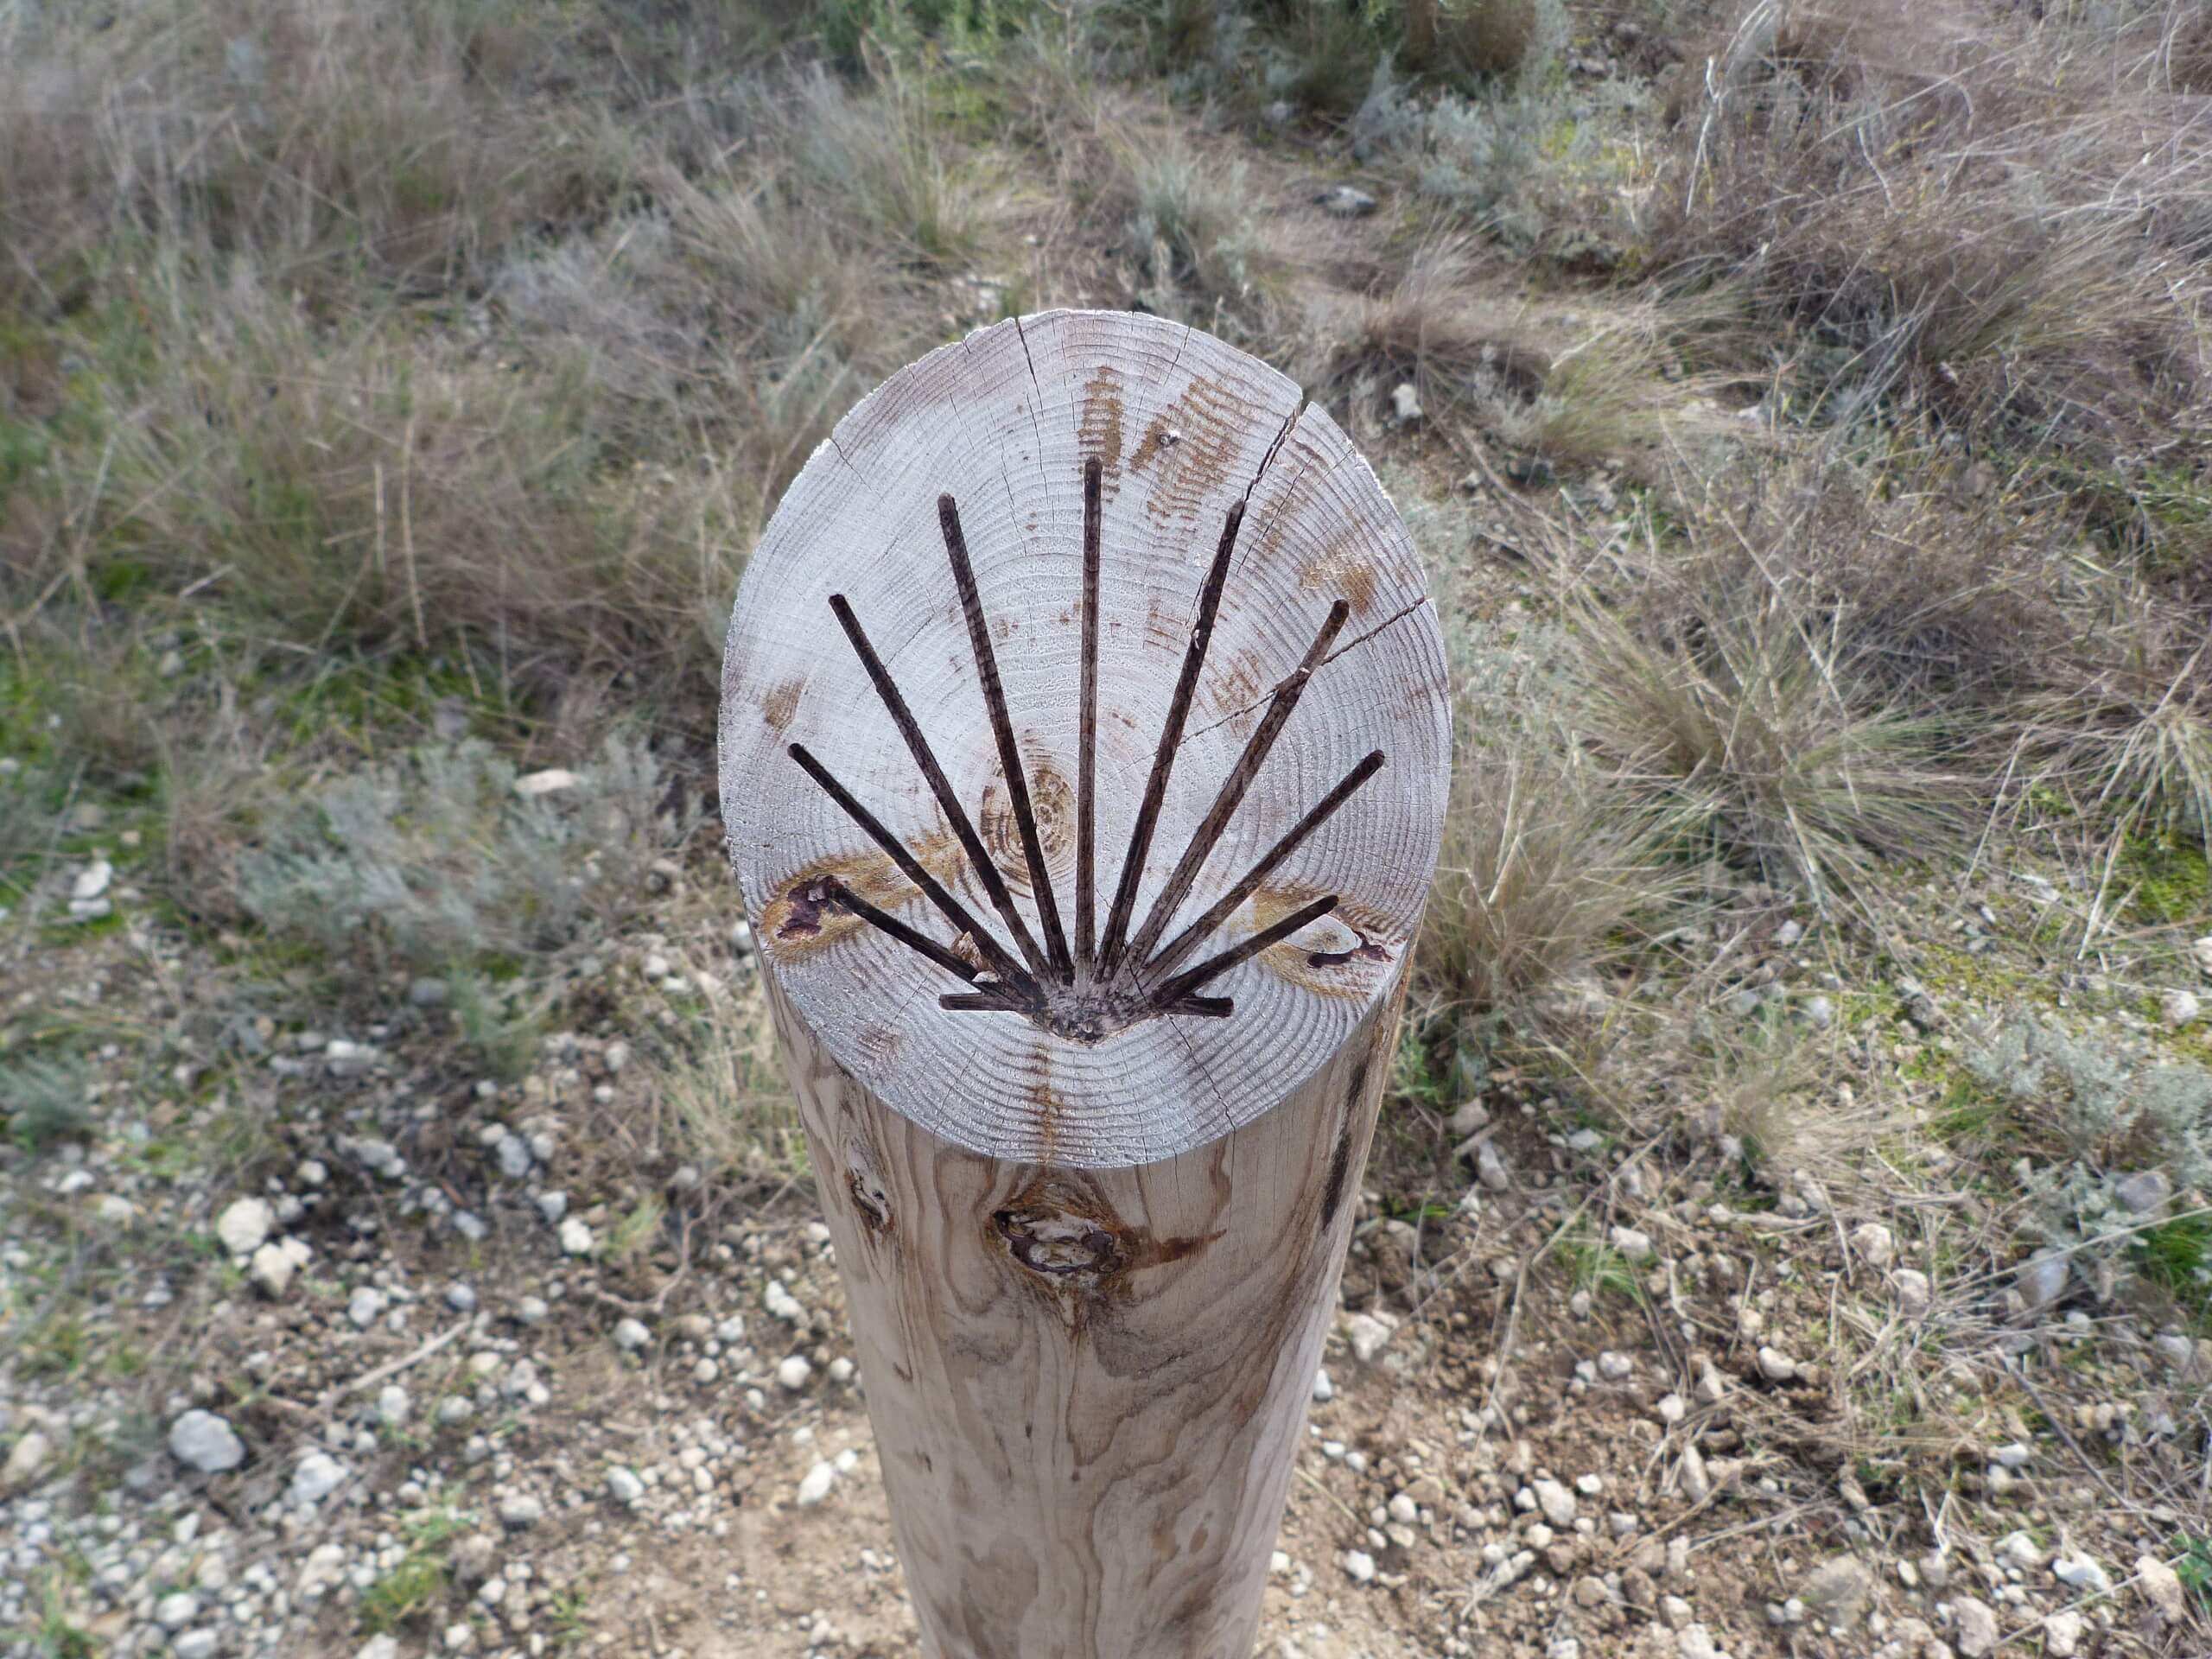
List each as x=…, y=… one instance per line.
x=2116, y=1109
x=436, y=860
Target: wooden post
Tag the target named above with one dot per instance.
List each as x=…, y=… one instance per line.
x=1084, y=749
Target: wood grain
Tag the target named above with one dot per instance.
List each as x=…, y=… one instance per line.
x=1088, y=1386
x=1183, y=429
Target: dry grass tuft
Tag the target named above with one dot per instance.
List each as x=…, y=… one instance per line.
x=1197, y=230
x=1492, y=38
x=1754, y=711
x=1548, y=870
x=405, y=142
x=1863, y=175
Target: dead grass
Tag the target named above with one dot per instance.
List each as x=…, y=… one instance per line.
x=1548, y=870
x=1757, y=713
x=1951, y=216
x=405, y=144
x=1196, y=232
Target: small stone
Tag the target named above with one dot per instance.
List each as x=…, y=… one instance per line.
x=176, y=1609
x=631, y=1335
x=1490, y=1168
x=1976, y=1627
x=816, y=1485
x=1615, y=1367
x=551, y=781
x=841, y=1370
x=794, y=1373
x=365, y=1306
x=427, y=993
x=461, y=1298
x=1820, y=1012
x=1695, y=1641
x=274, y=1265
x=2062, y=1634
x=27, y=1461
x=1405, y=404
x=1671, y=1409
x=1712, y=1386
x=2080, y=1573
x=624, y=1486
x=204, y=1441
x=1697, y=1481
x=1470, y=1119
x=1876, y=1244
x=1323, y=1390
x=2021, y=1550
x=92, y=881
x=2042, y=1278
x=512, y=1152
x=393, y=1405
x=2162, y=1587
x=1777, y=1366
x=1838, y=1590
x=520, y=1510
x=1367, y=1333
x=1555, y=1500
x=196, y=1644
x=2179, y=1008
x=576, y=1238
x=532, y=1310
x=1914, y=1292
x=244, y=1227
x=315, y=1476
x=1359, y=1565
x=1634, y=1245
x=2146, y=1192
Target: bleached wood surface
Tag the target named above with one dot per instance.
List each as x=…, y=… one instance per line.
x=1183, y=429
x=1089, y=1153
x=1088, y=1388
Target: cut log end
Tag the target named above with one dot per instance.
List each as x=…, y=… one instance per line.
x=1113, y=809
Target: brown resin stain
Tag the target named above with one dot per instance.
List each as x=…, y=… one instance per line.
x=1350, y=972
x=800, y=918
x=1340, y=571
x=1241, y=686
x=1191, y=447
x=780, y=704
x=1099, y=432
x=1164, y=630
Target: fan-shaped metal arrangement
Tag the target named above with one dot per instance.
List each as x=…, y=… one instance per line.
x=1110, y=981
x=1054, y=715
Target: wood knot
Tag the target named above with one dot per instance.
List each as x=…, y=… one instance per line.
x=1063, y=1234
x=870, y=1200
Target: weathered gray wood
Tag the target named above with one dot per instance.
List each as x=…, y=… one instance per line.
x=1089, y=1146
x=1088, y=1386
x=1184, y=427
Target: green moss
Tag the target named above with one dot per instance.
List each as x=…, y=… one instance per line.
x=408, y=1592
x=2172, y=879
x=2178, y=1257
